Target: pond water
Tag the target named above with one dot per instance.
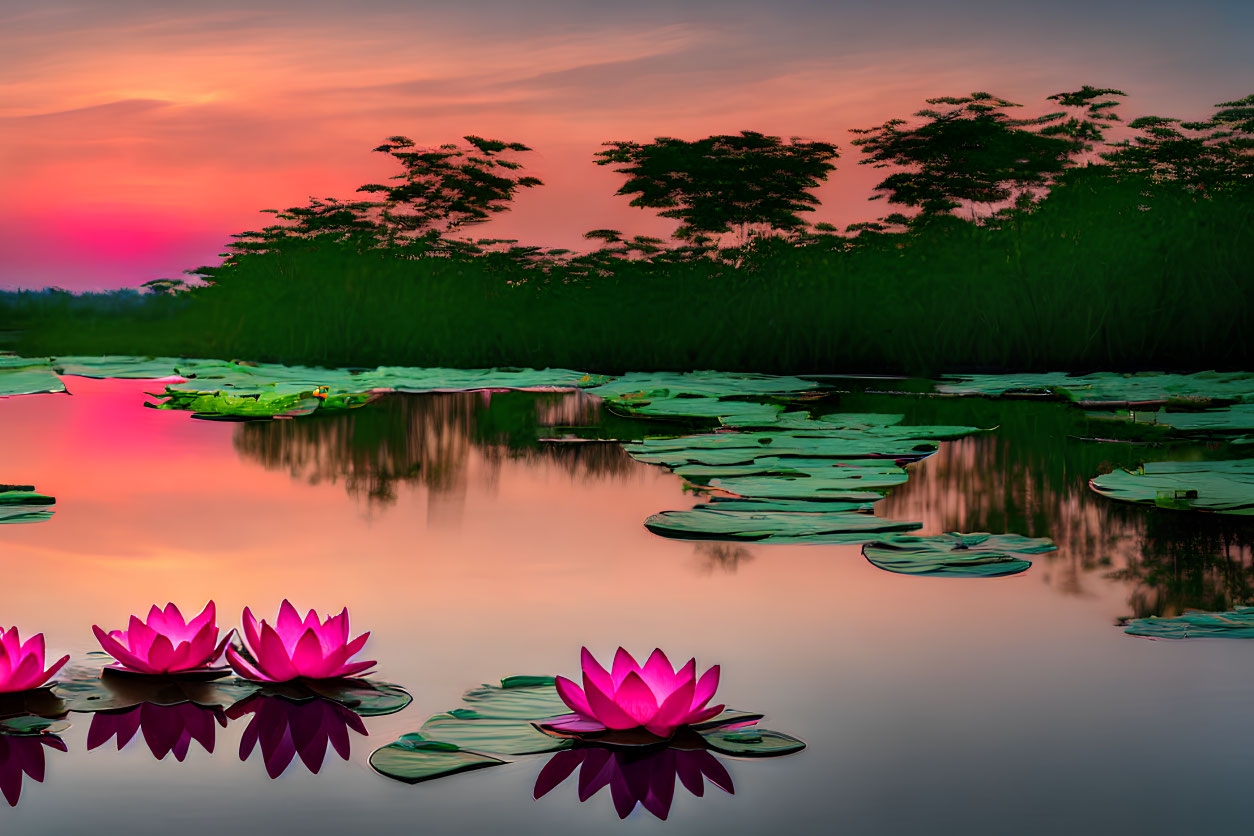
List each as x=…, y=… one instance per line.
x=472, y=552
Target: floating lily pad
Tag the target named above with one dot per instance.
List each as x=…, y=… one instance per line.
x=414, y=759
x=364, y=697
x=752, y=743
x=862, y=473
x=225, y=404
x=27, y=376
x=647, y=385
x=40, y=702
x=1112, y=389
x=409, y=379
x=1233, y=624
x=815, y=485
x=745, y=447
x=799, y=506
x=90, y=690
x=712, y=524
x=1224, y=487
x=21, y=504
x=729, y=412
x=118, y=366
x=31, y=725
x=1229, y=419
x=498, y=719
x=977, y=555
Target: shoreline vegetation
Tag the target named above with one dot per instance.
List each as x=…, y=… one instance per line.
x=1022, y=244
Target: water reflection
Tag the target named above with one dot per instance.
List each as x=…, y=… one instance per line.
x=22, y=756
x=166, y=728
x=427, y=440
x=1031, y=477
x=645, y=778
x=285, y=729
x=714, y=556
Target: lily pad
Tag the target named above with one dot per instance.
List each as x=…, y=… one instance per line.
x=1233, y=624
x=978, y=555
x=815, y=485
x=364, y=697
x=1112, y=389
x=32, y=725
x=40, y=702
x=752, y=743
x=745, y=447
x=1223, y=487
x=225, y=404
x=498, y=718
x=118, y=366
x=862, y=473
x=27, y=376
x=21, y=504
x=713, y=524
x=728, y=412
x=800, y=506
x=414, y=759
x=647, y=385
x=89, y=690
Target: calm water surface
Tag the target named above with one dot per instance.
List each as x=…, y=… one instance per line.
x=929, y=705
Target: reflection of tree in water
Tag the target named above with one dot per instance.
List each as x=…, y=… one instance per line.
x=427, y=440
x=713, y=556
x=1031, y=477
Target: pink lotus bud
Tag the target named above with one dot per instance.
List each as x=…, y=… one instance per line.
x=165, y=643
x=292, y=648
x=22, y=665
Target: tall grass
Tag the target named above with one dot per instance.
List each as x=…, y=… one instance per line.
x=1100, y=276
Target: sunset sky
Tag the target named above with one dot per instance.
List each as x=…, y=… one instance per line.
x=135, y=136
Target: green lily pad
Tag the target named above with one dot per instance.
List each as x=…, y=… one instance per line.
x=30, y=725
x=27, y=376
x=798, y=506
x=1230, y=419
x=507, y=736
x=745, y=447
x=1233, y=624
x=364, y=697
x=117, y=366
x=1223, y=487
x=414, y=759
x=409, y=379
x=646, y=385
x=752, y=743
x=817, y=485
x=713, y=524
x=225, y=404
x=862, y=473
x=1112, y=389
x=498, y=718
x=955, y=555
x=91, y=689
x=21, y=504
x=728, y=412
x=40, y=702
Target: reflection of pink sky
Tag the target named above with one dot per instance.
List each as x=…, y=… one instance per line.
x=115, y=171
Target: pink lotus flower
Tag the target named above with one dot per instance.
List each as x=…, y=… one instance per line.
x=22, y=755
x=166, y=728
x=166, y=644
x=285, y=730
x=22, y=665
x=292, y=648
x=655, y=696
x=645, y=778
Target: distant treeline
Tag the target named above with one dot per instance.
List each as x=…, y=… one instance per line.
x=1042, y=242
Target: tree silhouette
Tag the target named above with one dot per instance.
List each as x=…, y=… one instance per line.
x=969, y=151
x=1090, y=110
x=726, y=183
x=441, y=190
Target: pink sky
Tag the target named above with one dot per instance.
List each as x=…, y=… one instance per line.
x=136, y=136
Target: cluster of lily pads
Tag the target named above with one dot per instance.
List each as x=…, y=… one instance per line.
x=637, y=726
x=22, y=504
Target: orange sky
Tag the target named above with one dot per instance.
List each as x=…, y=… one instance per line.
x=136, y=136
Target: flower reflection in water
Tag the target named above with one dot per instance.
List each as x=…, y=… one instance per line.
x=22, y=755
x=166, y=728
x=285, y=729
x=635, y=777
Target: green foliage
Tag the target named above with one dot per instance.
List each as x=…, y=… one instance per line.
x=968, y=151
x=724, y=183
